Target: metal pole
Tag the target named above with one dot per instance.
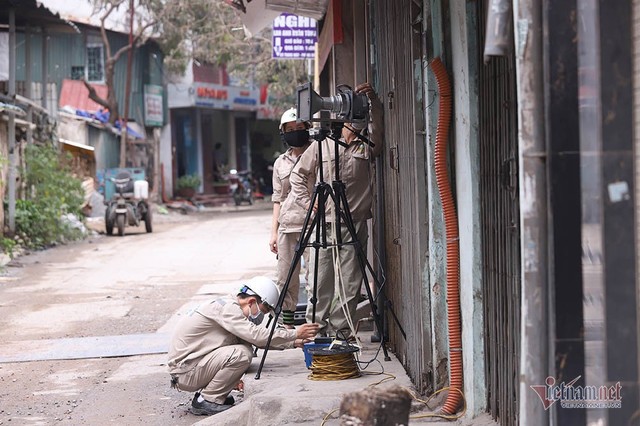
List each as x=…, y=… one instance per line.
x=12, y=124
x=27, y=83
x=127, y=92
x=533, y=209
x=45, y=67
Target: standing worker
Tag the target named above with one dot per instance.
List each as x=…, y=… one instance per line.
x=288, y=217
x=211, y=347
x=355, y=160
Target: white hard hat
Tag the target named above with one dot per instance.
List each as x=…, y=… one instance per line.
x=263, y=287
x=288, y=116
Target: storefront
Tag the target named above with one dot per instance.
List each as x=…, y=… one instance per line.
x=213, y=129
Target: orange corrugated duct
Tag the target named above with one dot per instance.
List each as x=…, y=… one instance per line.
x=453, y=247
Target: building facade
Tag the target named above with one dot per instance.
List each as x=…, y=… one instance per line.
x=538, y=154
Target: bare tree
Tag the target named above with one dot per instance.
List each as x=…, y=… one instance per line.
x=210, y=31
x=145, y=21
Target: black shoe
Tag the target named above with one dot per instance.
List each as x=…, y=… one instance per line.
x=229, y=400
x=206, y=408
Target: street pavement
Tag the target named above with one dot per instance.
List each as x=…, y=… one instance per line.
x=85, y=327
x=284, y=393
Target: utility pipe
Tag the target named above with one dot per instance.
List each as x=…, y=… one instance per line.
x=498, y=34
x=454, y=395
x=533, y=208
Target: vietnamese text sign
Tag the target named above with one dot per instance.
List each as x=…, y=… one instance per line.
x=294, y=37
x=153, y=105
x=225, y=97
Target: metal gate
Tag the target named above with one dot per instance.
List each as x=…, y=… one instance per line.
x=397, y=36
x=498, y=132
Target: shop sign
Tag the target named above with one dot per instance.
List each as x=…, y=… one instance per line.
x=293, y=37
x=225, y=97
x=153, y=105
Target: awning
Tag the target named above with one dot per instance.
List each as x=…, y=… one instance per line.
x=76, y=145
x=76, y=95
x=310, y=8
x=259, y=14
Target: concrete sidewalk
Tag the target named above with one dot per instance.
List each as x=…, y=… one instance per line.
x=285, y=395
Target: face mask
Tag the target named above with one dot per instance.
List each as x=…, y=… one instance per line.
x=297, y=138
x=359, y=125
x=257, y=318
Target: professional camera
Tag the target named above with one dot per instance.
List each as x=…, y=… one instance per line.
x=347, y=105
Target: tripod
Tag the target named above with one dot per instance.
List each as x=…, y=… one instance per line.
x=321, y=194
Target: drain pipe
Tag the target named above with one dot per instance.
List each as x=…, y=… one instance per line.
x=454, y=395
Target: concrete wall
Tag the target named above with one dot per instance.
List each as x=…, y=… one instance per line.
x=467, y=160
x=437, y=279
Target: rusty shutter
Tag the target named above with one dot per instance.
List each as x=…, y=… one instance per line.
x=397, y=37
x=498, y=132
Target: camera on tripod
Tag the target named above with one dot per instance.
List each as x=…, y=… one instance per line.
x=348, y=106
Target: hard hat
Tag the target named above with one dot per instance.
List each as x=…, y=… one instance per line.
x=263, y=287
x=288, y=116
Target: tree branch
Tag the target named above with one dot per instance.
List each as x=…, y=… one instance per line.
x=103, y=31
x=93, y=95
x=136, y=38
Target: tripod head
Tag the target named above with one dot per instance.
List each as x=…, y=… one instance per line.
x=329, y=129
x=333, y=130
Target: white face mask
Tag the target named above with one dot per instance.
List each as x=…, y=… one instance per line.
x=257, y=318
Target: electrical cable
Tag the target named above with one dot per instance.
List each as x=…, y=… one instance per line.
x=375, y=358
x=326, y=417
x=340, y=366
x=438, y=415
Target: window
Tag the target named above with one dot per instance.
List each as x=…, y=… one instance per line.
x=95, y=62
x=77, y=73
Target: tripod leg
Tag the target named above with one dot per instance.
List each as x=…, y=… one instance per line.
x=305, y=235
x=308, y=227
x=380, y=301
x=314, y=297
x=362, y=258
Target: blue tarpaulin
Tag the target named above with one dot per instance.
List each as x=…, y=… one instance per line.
x=103, y=116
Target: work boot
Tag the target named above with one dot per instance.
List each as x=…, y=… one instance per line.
x=229, y=400
x=206, y=408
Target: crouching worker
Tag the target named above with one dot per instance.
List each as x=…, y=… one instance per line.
x=211, y=346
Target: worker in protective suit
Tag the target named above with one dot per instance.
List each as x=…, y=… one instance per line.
x=338, y=294
x=211, y=347
x=288, y=217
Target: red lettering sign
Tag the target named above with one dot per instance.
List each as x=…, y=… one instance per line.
x=211, y=93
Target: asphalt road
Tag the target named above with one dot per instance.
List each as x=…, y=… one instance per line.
x=83, y=326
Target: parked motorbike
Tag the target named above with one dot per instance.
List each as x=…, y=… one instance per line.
x=241, y=186
x=129, y=205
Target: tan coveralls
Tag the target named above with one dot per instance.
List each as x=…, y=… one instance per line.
x=290, y=224
x=211, y=348
x=356, y=174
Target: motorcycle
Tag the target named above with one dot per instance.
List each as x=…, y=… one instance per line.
x=128, y=206
x=241, y=186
